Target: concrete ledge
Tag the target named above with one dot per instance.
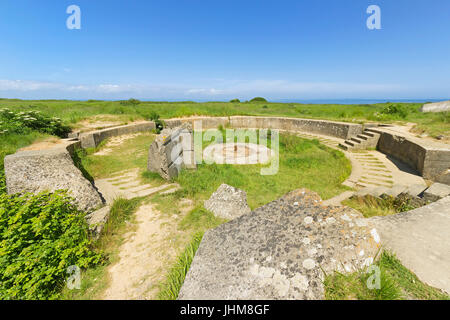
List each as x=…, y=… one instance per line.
x=420, y=238
x=93, y=139
x=341, y=130
x=430, y=159
x=51, y=169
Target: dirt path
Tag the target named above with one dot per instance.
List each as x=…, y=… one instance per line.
x=145, y=256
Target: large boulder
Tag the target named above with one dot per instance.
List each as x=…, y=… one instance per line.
x=436, y=107
x=280, y=251
x=228, y=202
x=172, y=150
x=52, y=169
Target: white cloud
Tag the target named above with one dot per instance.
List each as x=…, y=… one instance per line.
x=216, y=89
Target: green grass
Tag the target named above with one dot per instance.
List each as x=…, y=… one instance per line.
x=11, y=142
x=94, y=280
x=130, y=154
x=303, y=163
x=371, y=206
x=397, y=283
x=74, y=111
x=171, y=286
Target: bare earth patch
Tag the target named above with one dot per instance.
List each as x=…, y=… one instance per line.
x=115, y=142
x=45, y=144
x=145, y=255
x=101, y=122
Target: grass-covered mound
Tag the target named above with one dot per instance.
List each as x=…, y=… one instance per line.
x=40, y=237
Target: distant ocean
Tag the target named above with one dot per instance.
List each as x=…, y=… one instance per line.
x=319, y=101
x=356, y=101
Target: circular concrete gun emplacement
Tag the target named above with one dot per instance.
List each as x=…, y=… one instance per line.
x=237, y=153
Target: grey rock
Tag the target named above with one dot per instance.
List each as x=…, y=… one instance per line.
x=172, y=150
x=228, y=202
x=97, y=220
x=415, y=189
x=50, y=170
x=436, y=191
x=436, y=107
x=279, y=251
x=420, y=238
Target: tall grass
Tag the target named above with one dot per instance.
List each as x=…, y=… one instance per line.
x=397, y=283
x=170, y=289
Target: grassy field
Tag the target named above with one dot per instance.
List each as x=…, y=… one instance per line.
x=72, y=112
x=303, y=163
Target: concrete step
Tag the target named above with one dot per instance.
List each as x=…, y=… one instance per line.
x=147, y=192
x=140, y=187
x=363, y=136
x=373, y=191
x=396, y=190
x=416, y=189
x=375, y=184
x=344, y=147
x=372, y=131
x=350, y=143
x=377, y=179
x=355, y=139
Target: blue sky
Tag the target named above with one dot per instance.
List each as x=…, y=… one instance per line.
x=218, y=50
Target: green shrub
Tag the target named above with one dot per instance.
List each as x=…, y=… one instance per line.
x=258, y=99
x=2, y=182
x=24, y=122
x=40, y=237
x=130, y=102
x=396, y=110
x=159, y=124
x=235, y=101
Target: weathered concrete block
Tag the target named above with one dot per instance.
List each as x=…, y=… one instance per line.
x=97, y=221
x=228, y=202
x=279, y=251
x=53, y=169
x=436, y=107
x=430, y=159
x=436, y=192
x=93, y=139
x=166, y=154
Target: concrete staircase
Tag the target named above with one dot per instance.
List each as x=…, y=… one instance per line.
x=368, y=139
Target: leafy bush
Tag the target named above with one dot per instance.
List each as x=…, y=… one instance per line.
x=235, y=101
x=130, y=102
x=40, y=237
x=2, y=182
x=396, y=110
x=258, y=99
x=24, y=122
x=159, y=124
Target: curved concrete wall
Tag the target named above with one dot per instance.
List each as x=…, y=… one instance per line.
x=93, y=139
x=430, y=159
x=330, y=128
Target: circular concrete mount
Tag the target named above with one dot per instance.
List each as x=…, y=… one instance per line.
x=237, y=153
